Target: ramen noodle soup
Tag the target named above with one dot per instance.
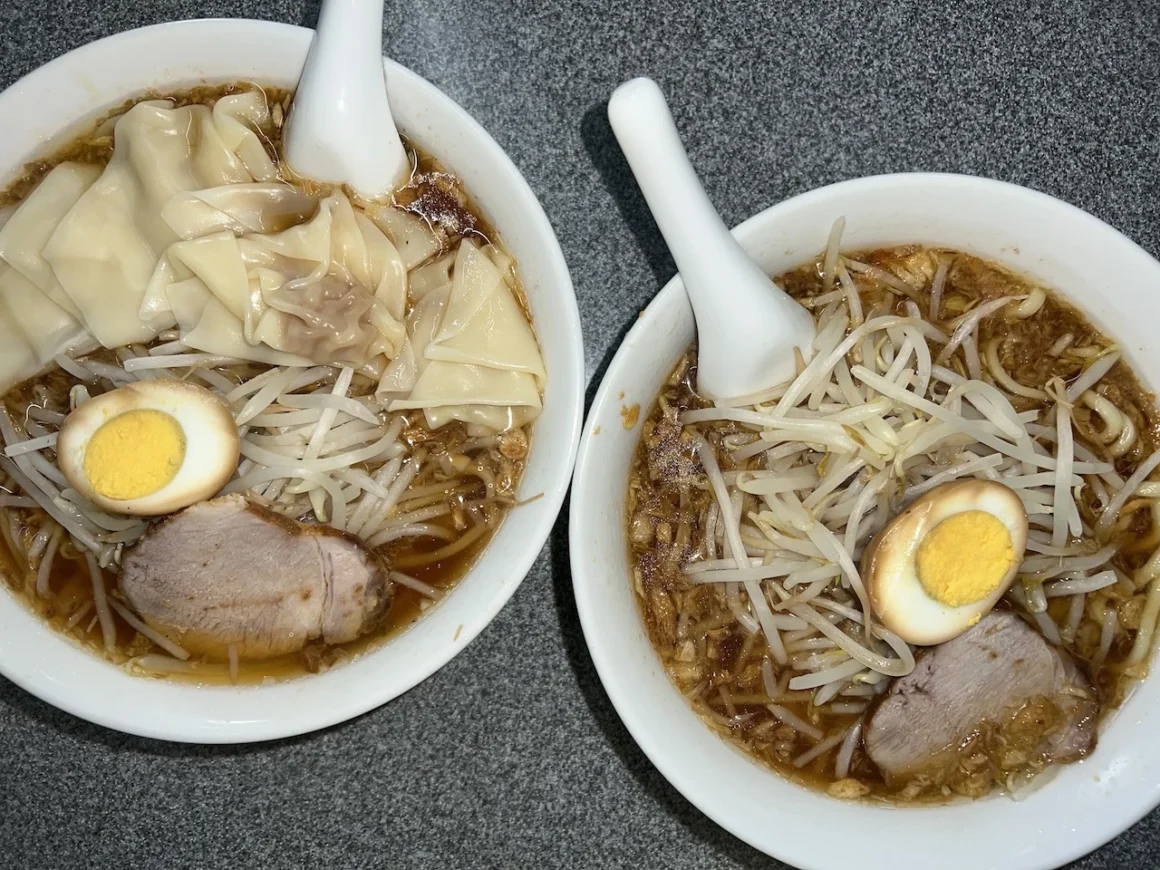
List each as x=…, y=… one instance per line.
x=926, y=567
x=252, y=424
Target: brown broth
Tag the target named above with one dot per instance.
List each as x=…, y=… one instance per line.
x=664, y=526
x=433, y=194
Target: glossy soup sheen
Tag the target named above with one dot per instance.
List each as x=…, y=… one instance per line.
x=434, y=195
x=665, y=532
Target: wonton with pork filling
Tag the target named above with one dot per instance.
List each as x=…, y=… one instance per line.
x=926, y=566
x=251, y=423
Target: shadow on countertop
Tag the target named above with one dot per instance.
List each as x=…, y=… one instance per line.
x=308, y=17
x=602, y=148
x=616, y=175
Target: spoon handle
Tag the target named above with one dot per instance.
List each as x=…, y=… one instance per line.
x=340, y=126
x=735, y=302
x=702, y=246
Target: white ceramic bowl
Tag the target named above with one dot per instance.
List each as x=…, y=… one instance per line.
x=1111, y=279
x=36, y=113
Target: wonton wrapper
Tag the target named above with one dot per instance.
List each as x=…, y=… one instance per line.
x=235, y=119
x=209, y=326
x=443, y=384
x=332, y=289
x=261, y=207
x=106, y=247
x=18, y=360
x=37, y=326
x=483, y=324
x=496, y=336
x=431, y=276
x=47, y=328
x=422, y=326
x=415, y=241
x=471, y=354
x=24, y=236
x=495, y=418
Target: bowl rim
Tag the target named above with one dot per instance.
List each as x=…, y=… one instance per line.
x=17, y=665
x=620, y=689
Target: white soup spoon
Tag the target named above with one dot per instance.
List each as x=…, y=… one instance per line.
x=340, y=127
x=747, y=327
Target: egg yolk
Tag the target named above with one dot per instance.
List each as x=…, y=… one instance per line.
x=964, y=558
x=134, y=454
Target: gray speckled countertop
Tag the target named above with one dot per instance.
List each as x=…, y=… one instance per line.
x=512, y=756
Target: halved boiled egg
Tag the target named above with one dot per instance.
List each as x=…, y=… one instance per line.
x=149, y=448
x=939, y=566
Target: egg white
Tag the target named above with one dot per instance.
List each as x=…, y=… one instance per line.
x=889, y=563
x=211, y=443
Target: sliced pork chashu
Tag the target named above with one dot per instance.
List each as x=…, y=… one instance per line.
x=997, y=697
x=228, y=572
